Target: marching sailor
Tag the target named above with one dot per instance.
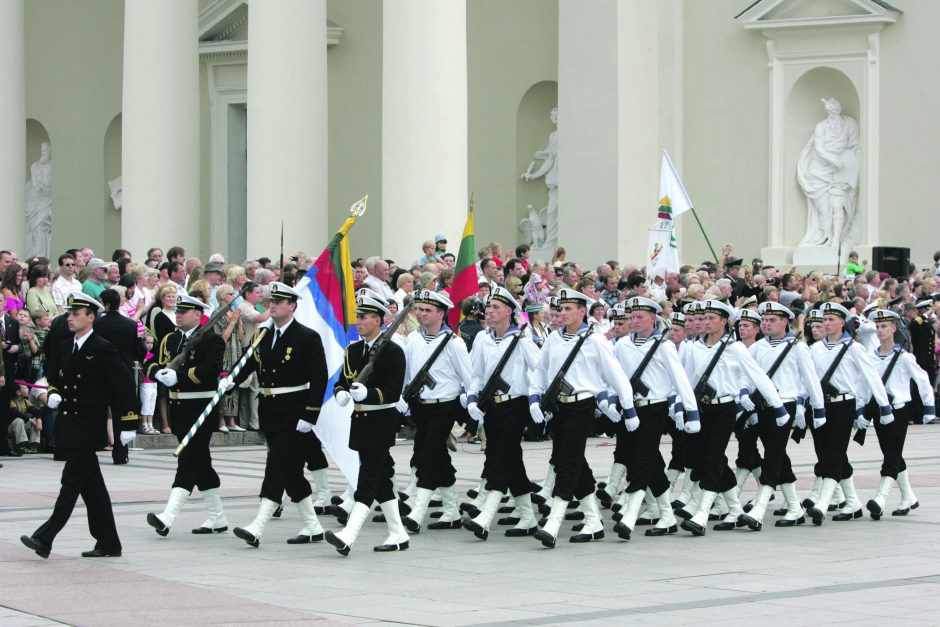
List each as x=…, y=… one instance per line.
x=904, y=369
x=439, y=357
x=790, y=367
x=505, y=411
x=292, y=375
x=374, y=425
x=191, y=388
x=719, y=365
x=592, y=367
x=618, y=471
x=655, y=372
x=846, y=371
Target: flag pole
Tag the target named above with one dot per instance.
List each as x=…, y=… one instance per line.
x=702, y=229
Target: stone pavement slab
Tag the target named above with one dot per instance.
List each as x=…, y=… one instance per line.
x=860, y=572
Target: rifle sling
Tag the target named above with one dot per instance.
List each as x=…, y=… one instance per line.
x=824, y=383
x=504, y=360
x=647, y=358
x=711, y=365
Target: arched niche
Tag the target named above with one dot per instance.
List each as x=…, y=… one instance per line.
x=533, y=126
x=36, y=134
x=804, y=110
x=111, y=217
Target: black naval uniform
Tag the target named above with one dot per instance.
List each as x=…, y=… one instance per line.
x=374, y=419
x=296, y=360
x=197, y=380
x=122, y=332
x=89, y=380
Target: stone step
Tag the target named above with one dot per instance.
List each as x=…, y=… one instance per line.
x=232, y=438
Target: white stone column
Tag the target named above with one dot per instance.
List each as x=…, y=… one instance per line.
x=608, y=129
x=160, y=126
x=13, y=127
x=424, y=125
x=287, y=127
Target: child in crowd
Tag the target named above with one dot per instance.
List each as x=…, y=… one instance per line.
x=42, y=320
x=25, y=424
x=148, y=394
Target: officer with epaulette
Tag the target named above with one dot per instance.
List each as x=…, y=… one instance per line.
x=374, y=424
x=292, y=376
x=87, y=377
x=190, y=389
x=923, y=343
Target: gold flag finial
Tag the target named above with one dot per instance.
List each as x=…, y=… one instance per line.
x=359, y=207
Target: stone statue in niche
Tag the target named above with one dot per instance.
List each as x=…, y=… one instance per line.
x=548, y=215
x=39, y=205
x=533, y=228
x=828, y=175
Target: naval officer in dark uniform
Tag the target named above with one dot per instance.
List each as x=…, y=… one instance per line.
x=292, y=375
x=190, y=388
x=374, y=425
x=87, y=377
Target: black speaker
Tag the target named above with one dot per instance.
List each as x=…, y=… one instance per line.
x=894, y=260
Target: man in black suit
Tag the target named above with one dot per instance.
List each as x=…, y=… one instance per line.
x=374, y=425
x=291, y=367
x=10, y=337
x=87, y=379
x=122, y=332
x=191, y=387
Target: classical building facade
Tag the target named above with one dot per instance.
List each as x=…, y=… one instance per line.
x=225, y=118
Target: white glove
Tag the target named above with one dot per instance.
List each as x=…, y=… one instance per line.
x=303, y=426
x=127, y=437
x=680, y=420
x=343, y=398
x=463, y=400
x=226, y=384
x=746, y=403
x=536, y=412
x=611, y=412
x=693, y=426
x=53, y=401
x=800, y=420
x=358, y=392
x=818, y=422
x=475, y=412
x=632, y=424
x=887, y=420
x=801, y=413
x=402, y=407
x=751, y=421
x=928, y=418
x=167, y=377
x=861, y=423
x=602, y=405
x=548, y=416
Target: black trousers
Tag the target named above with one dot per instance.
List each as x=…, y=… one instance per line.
x=504, y=425
x=81, y=476
x=284, y=467
x=376, y=469
x=645, y=466
x=570, y=427
x=626, y=442
x=748, y=454
x=776, y=469
x=833, y=441
x=712, y=442
x=678, y=453
x=433, y=423
x=891, y=440
x=313, y=452
x=194, y=466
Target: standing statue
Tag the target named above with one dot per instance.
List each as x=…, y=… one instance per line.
x=549, y=169
x=533, y=228
x=39, y=205
x=828, y=174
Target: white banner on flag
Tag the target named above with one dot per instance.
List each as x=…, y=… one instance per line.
x=662, y=256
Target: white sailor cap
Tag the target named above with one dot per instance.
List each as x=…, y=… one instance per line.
x=884, y=315
x=771, y=308
x=568, y=295
x=868, y=308
x=815, y=315
x=749, y=315
x=554, y=303
x=368, y=293
x=367, y=304
x=923, y=304
x=185, y=302
x=678, y=318
x=693, y=308
x=638, y=303
x=282, y=291
x=717, y=307
x=81, y=299
x=835, y=309
x=428, y=297
x=502, y=295
x=619, y=311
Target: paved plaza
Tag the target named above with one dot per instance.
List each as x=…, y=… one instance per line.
x=860, y=572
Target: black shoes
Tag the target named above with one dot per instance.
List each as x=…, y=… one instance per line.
x=102, y=553
x=41, y=548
